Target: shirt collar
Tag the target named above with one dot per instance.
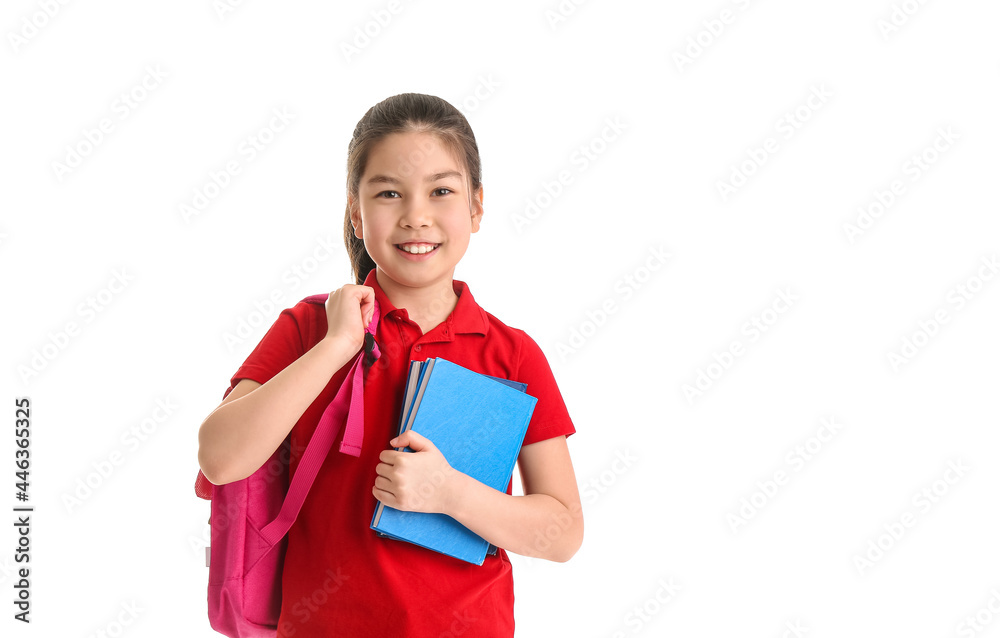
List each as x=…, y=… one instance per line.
x=467, y=317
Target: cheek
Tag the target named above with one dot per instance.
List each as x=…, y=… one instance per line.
x=460, y=246
x=459, y=230
x=460, y=222
x=375, y=227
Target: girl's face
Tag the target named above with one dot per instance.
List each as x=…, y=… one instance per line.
x=413, y=209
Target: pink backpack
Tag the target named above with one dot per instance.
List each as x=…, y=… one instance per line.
x=251, y=517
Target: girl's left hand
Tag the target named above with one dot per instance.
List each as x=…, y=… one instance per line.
x=417, y=481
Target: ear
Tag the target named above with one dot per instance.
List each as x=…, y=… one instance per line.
x=477, y=209
x=355, y=217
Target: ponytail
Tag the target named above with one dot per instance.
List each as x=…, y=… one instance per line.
x=361, y=261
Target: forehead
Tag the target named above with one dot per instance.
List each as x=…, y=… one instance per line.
x=411, y=154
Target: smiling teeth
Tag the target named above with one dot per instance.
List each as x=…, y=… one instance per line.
x=418, y=250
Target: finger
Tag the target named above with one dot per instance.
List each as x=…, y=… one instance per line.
x=413, y=440
x=384, y=497
x=367, y=300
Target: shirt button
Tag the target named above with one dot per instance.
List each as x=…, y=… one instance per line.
x=417, y=348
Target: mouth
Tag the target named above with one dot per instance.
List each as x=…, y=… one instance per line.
x=420, y=248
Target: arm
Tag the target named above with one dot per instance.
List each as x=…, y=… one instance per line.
x=547, y=522
x=252, y=421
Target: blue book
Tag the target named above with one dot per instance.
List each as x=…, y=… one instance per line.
x=413, y=381
x=478, y=422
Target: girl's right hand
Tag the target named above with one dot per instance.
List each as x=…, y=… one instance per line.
x=349, y=309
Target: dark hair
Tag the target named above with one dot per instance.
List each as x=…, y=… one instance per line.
x=398, y=114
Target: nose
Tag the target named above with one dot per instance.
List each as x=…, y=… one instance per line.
x=416, y=215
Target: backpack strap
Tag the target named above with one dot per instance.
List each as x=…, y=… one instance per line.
x=354, y=433
x=348, y=405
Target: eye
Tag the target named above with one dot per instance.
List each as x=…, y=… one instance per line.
x=443, y=189
x=384, y=192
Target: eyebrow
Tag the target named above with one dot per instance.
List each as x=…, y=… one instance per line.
x=385, y=179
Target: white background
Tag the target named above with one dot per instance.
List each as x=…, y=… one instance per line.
x=545, y=89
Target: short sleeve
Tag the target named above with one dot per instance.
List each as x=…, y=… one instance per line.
x=550, y=417
x=280, y=346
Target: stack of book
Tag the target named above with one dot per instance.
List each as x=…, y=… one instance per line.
x=478, y=422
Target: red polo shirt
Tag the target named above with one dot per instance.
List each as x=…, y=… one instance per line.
x=340, y=578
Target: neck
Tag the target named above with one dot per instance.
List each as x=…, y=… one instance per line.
x=427, y=306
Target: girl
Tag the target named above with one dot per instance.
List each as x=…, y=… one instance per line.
x=414, y=196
